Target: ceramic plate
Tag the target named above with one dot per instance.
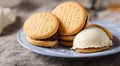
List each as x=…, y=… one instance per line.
x=66, y=52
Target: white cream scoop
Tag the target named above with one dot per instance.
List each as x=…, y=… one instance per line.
x=91, y=37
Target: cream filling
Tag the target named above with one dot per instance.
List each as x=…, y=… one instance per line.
x=91, y=37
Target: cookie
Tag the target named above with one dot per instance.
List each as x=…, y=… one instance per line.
x=66, y=43
x=66, y=38
x=89, y=50
x=41, y=25
x=104, y=29
x=72, y=16
x=41, y=42
x=114, y=7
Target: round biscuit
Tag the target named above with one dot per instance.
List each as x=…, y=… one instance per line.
x=72, y=16
x=41, y=25
x=66, y=43
x=89, y=50
x=41, y=43
x=104, y=29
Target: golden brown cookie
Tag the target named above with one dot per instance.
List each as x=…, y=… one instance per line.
x=41, y=25
x=104, y=29
x=72, y=16
x=41, y=43
x=66, y=43
x=114, y=7
x=66, y=38
x=88, y=50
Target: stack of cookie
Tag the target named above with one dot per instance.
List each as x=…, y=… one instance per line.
x=41, y=29
x=67, y=19
x=73, y=18
x=68, y=22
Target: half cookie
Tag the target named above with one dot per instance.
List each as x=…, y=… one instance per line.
x=72, y=16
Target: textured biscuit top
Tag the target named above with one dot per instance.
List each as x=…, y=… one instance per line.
x=41, y=25
x=72, y=16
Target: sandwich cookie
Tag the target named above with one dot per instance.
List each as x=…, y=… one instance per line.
x=66, y=43
x=72, y=16
x=41, y=42
x=66, y=38
x=41, y=29
x=41, y=25
x=93, y=38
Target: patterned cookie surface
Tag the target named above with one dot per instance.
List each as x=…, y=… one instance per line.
x=104, y=29
x=88, y=50
x=67, y=38
x=41, y=25
x=66, y=43
x=72, y=16
x=41, y=43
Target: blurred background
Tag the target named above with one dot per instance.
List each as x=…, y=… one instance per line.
x=105, y=10
x=97, y=9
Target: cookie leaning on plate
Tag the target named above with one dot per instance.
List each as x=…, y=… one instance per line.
x=72, y=16
x=41, y=29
